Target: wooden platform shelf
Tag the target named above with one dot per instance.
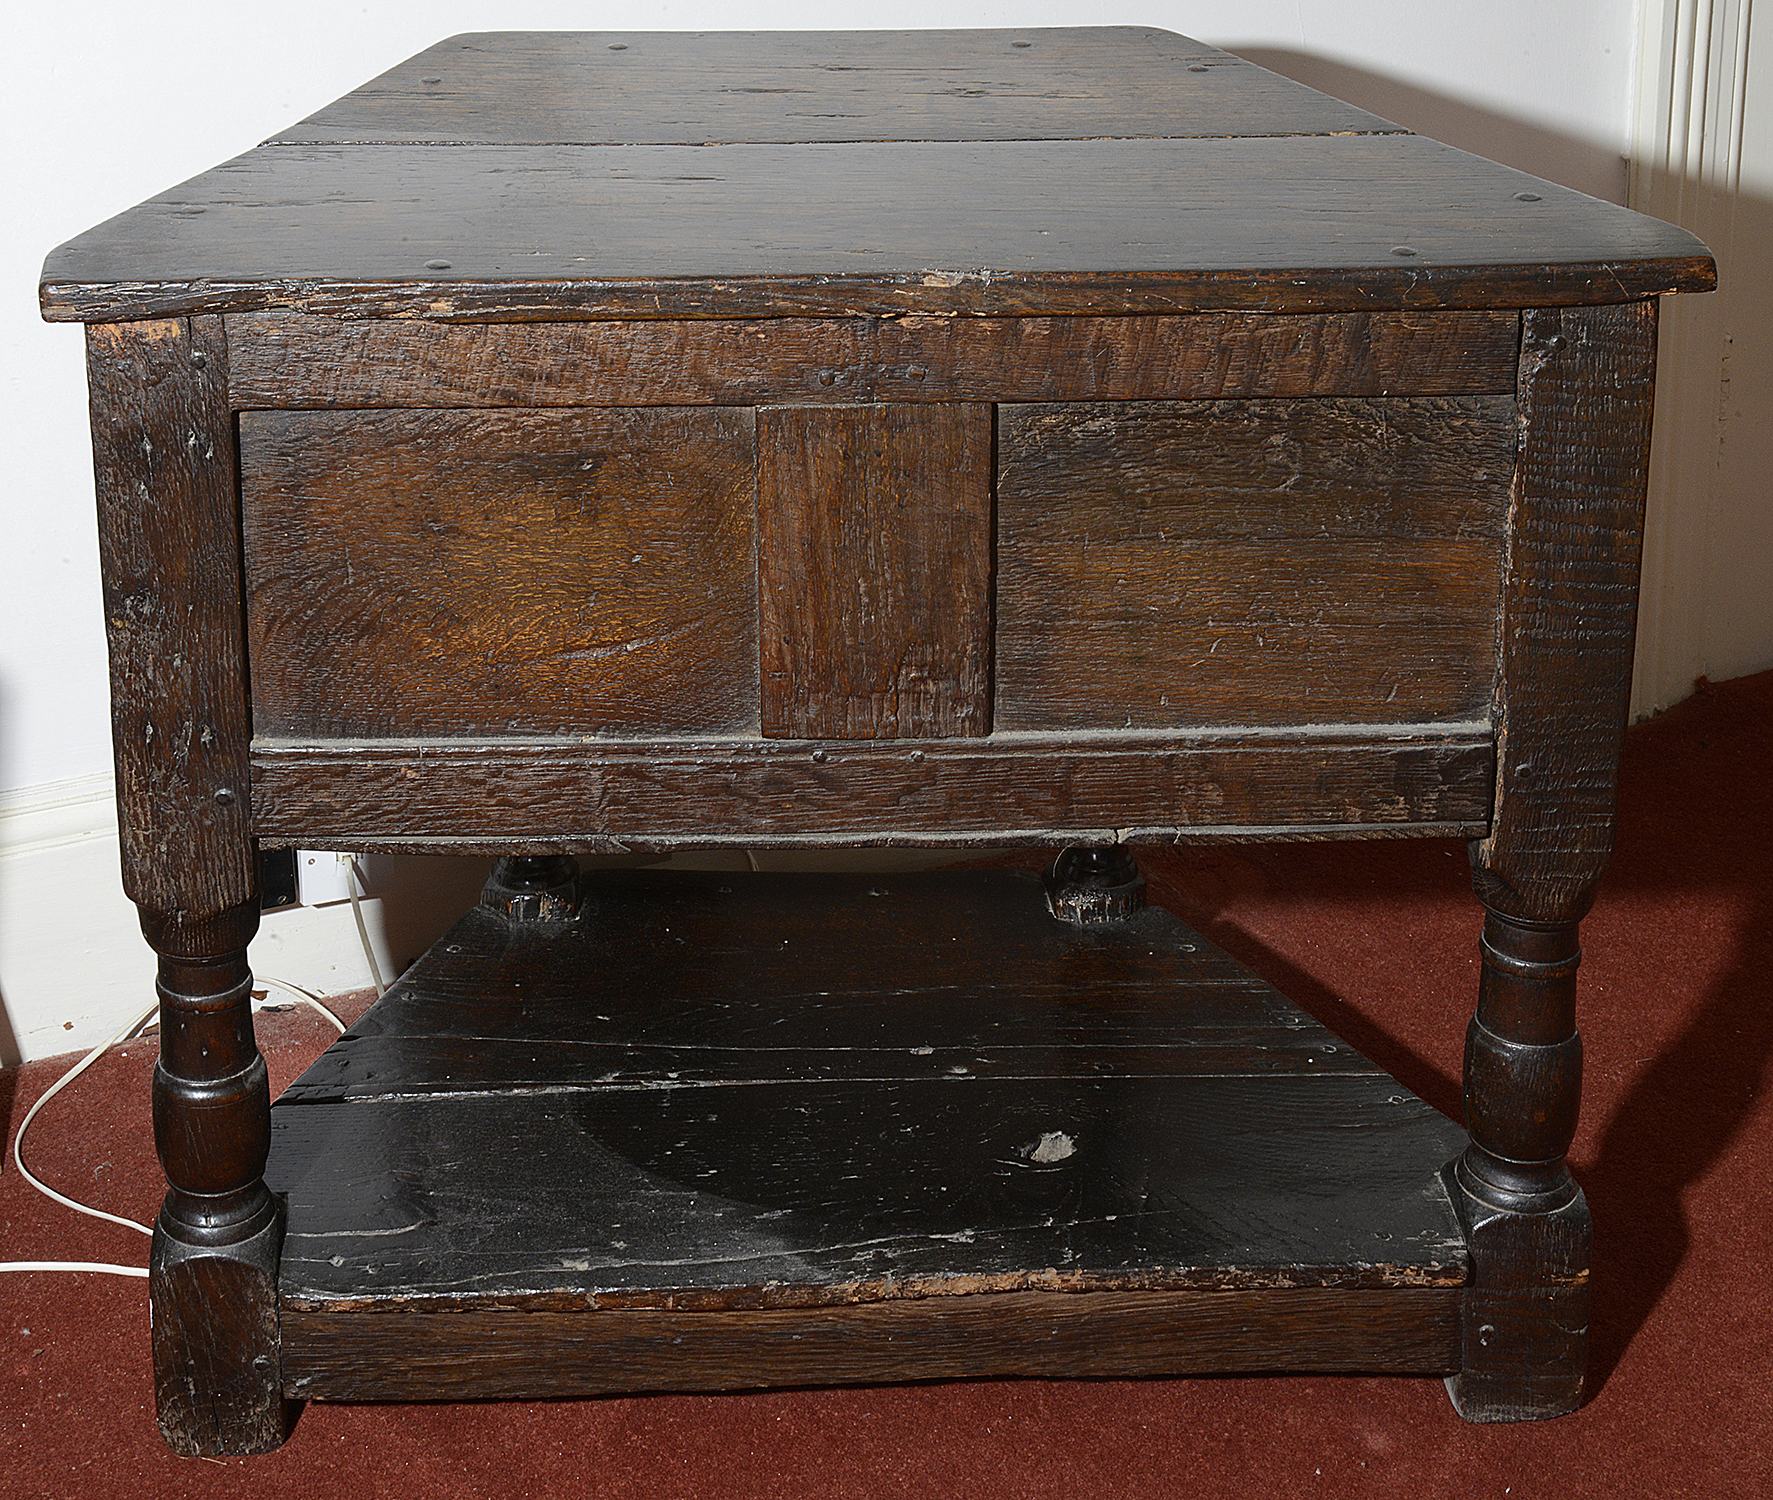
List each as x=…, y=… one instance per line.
x=737, y=1130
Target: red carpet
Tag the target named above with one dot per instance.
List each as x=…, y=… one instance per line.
x=1379, y=941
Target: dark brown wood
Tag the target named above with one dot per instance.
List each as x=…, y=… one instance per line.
x=544, y=572
x=1525, y=1218
x=659, y=88
x=217, y=1345
x=425, y=1356
x=874, y=571
x=1187, y=634
x=212, y=1263
x=1119, y=227
x=1168, y=564
x=1524, y=1349
x=278, y=360
x=1289, y=523
x=1036, y=789
x=169, y=541
x=169, y=544
x=1569, y=607
x=1568, y=617
x=1422, y=469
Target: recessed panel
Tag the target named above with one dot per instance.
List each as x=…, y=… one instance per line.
x=491, y=573
x=1179, y=565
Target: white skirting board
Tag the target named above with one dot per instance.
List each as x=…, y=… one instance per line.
x=74, y=966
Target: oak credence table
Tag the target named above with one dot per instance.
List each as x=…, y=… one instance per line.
x=573, y=443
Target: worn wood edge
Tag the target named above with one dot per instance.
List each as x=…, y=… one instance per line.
x=1030, y=742
x=290, y=361
x=971, y=292
x=503, y=1353
x=1198, y=1065
x=167, y=490
x=673, y=795
x=981, y=137
x=527, y=841
x=1455, y=1271
x=1301, y=833
x=216, y=1342
x=1568, y=623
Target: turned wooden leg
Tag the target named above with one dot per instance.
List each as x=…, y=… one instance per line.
x=212, y=1284
x=1585, y=389
x=1525, y=1219
x=169, y=537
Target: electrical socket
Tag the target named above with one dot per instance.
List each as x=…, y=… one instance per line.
x=323, y=876
x=277, y=880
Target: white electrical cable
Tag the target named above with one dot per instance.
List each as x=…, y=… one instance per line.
x=18, y=1141
x=55, y=1088
x=306, y=998
x=375, y=969
x=72, y=1265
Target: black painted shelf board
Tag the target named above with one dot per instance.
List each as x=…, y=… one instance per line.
x=733, y=1091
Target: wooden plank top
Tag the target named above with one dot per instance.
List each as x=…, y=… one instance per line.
x=520, y=175
x=537, y=88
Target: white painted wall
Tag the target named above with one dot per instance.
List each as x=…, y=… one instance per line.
x=1704, y=158
x=109, y=102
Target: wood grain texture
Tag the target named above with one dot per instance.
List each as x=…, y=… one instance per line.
x=1569, y=607
x=500, y=573
x=282, y=360
x=169, y=545
x=1525, y=1218
x=1166, y=565
x=211, y=1094
x=492, y=1354
x=1024, y=789
x=216, y=1345
x=841, y=1089
x=497, y=372
x=874, y=571
x=508, y=233
x=660, y=88
x=1524, y=1353
x=212, y=1264
x=1188, y=634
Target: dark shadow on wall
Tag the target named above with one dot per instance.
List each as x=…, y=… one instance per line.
x=1518, y=143
x=9, y=1044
